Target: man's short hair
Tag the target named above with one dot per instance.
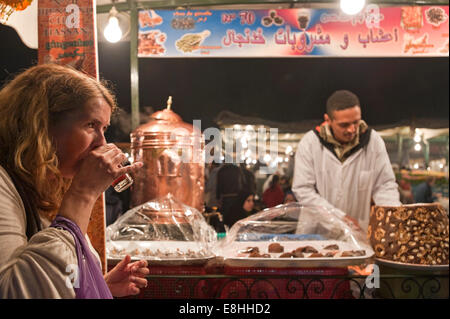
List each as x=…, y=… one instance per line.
x=341, y=100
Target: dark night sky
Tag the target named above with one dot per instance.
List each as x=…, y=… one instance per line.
x=285, y=90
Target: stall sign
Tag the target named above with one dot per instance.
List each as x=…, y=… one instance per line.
x=375, y=32
x=66, y=34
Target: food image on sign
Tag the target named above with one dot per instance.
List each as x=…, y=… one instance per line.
x=184, y=23
x=273, y=18
x=412, y=20
x=152, y=43
x=149, y=18
x=435, y=16
x=191, y=41
x=419, y=45
x=303, y=17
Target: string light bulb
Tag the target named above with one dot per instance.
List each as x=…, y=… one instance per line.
x=112, y=32
x=352, y=7
x=417, y=138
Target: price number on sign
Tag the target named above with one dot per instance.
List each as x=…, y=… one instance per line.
x=247, y=17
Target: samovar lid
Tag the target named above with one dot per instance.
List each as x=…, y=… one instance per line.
x=164, y=121
x=167, y=114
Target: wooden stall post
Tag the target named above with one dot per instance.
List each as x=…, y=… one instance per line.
x=134, y=66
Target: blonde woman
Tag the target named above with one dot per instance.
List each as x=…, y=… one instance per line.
x=54, y=161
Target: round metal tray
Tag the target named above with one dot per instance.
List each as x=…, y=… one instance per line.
x=406, y=266
x=169, y=261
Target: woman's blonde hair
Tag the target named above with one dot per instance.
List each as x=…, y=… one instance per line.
x=29, y=105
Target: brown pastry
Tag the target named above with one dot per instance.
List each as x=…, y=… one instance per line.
x=286, y=255
x=249, y=250
x=415, y=234
x=359, y=252
x=307, y=249
x=254, y=254
x=332, y=247
x=331, y=253
x=347, y=254
x=353, y=253
x=298, y=253
x=275, y=248
x=316, y=255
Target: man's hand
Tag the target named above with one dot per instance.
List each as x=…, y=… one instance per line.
x=353, y=223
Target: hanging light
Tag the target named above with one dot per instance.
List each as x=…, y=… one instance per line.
x=417, y=135
x=417, y=138
x=417, y=147
x=112, y=32
x=244, y=142
x=352, y=7
x=288, y=149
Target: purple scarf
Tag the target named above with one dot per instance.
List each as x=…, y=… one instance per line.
x=92, y=285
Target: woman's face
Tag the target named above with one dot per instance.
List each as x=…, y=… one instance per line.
x=79, y=133
x=248, y=204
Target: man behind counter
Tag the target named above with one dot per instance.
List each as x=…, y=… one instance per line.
x=343, y=164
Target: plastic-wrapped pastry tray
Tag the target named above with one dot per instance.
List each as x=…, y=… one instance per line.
x=172, y=253
x=306, y=253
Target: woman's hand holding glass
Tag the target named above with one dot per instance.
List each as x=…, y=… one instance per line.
x=97, y=171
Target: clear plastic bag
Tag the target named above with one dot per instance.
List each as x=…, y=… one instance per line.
x=295, y=235
x=161, y=229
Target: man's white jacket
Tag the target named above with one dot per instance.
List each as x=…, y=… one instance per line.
x=321, y=179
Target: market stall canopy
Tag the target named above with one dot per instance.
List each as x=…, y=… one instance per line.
x=289, y=134
x=429, y=128
x=25, y=22
x=434, y=126
x=228, y=119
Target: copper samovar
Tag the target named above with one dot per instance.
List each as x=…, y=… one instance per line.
x=173, y=155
